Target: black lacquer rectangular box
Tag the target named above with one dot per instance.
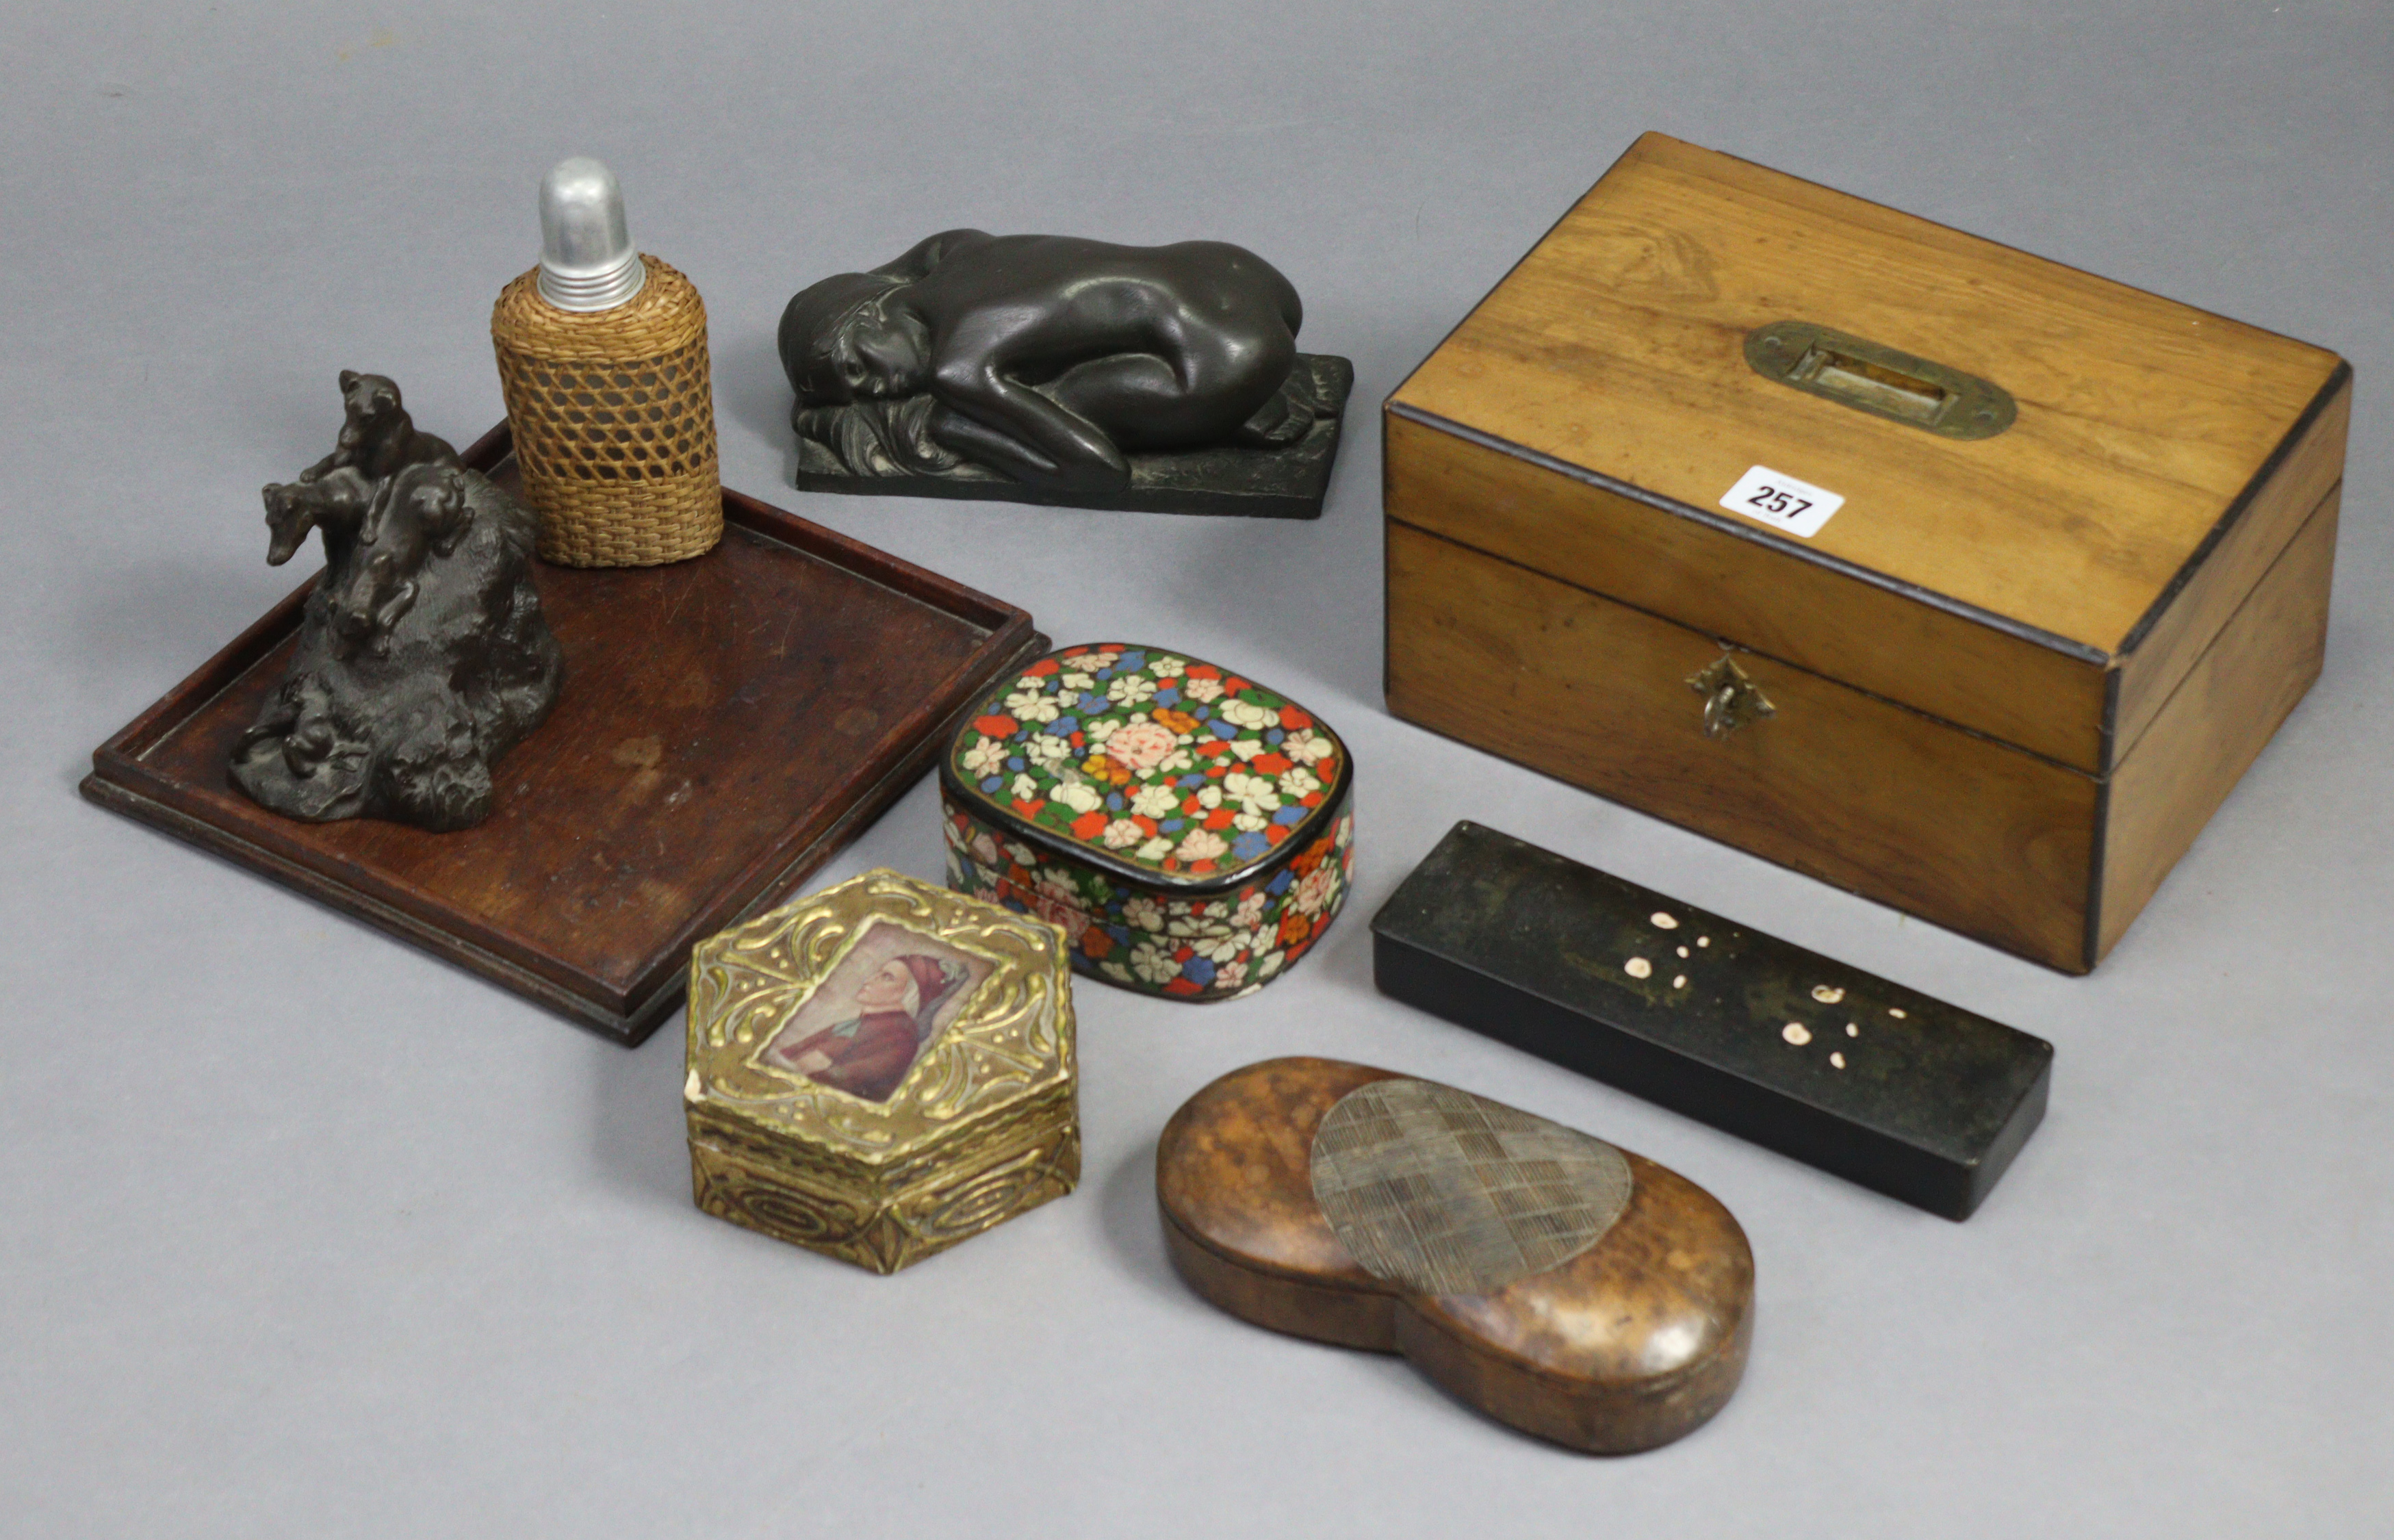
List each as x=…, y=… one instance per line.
x=1863, y=1078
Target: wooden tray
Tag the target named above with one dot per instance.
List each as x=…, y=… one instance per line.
x=728, y=724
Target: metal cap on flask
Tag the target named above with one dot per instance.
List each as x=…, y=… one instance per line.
x=587, y=260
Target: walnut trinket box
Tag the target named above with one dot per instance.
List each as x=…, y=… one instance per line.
x=881, y=1070
x=1189, y=828
x=1948, y=574
x=1568, y=1288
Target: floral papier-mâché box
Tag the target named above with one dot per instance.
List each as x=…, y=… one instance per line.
x=1190, y=830
x=881, y=1070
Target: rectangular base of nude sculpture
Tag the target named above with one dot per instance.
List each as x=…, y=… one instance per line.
x=1288, y=483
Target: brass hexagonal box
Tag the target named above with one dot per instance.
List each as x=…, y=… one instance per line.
x=881, y=1070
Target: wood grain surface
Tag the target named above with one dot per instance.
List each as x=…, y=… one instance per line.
x=2047, y=700
x=2188, y=620
x=1616, y=346
x=727, y=724
x=1635, y=1342
x=1881, y=800
x=2215, y=723
x=2006, y=619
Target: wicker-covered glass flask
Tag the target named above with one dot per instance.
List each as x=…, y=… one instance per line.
x=602, y=360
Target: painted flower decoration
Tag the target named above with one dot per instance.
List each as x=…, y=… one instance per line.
x=1152, y=760
x=1142, y=745
x=1306, y=746
x=1220, y=949
x=1129, y=689
x=1070, y=918
x=1314, y=889
x=1194, y=946
x=1251, y=791
x=1204, y=845
x=1246, y=713
x=1031, y=706
x=1153, y=964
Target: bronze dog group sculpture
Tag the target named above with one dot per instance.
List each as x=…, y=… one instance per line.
x=422, y=656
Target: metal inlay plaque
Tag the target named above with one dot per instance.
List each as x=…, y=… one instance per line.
x=1446, y=1192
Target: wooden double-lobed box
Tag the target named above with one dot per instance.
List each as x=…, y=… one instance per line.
x=1958, y=578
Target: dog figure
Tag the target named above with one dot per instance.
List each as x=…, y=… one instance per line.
x=421, y=654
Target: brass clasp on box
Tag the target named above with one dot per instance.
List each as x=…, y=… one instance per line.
x=1731, y=699
x=1871, y=376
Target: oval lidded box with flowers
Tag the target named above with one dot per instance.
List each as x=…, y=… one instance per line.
x=1189, y=829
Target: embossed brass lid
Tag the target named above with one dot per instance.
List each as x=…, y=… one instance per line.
x=881, y=1070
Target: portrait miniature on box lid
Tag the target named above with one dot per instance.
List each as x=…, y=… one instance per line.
x=892, y=993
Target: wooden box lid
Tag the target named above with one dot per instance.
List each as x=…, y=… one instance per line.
x=2046, y=584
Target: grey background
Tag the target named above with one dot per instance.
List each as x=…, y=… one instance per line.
x=302, y=1232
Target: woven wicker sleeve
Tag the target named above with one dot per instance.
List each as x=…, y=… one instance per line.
x=614, y=413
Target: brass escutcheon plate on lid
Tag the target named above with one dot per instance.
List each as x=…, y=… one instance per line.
x=1871, y=376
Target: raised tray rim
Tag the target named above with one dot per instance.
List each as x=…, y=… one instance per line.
x=277, y=848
